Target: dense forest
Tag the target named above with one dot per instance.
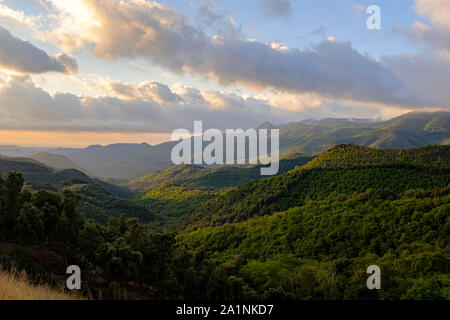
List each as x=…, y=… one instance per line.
x=309, y=233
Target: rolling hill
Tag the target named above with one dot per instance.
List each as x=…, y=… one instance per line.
x=99, y=200
x=208, y=178
x=407, y=131
x=343, y=170
x=178, y=192
x=124, y=161
x=56, y=161
x=321, y=249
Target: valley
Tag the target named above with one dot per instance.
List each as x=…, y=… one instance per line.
x=226, y=232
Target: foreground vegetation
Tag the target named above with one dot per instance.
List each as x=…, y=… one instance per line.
x=15, y=286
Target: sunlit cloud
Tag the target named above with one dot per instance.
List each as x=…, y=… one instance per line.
x=147, y=29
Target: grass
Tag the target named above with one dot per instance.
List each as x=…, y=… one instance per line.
x=14, y=286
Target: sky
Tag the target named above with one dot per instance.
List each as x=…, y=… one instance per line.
x=82, y=72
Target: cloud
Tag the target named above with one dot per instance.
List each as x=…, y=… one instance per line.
x=21, y=56
x=276, y=8
x=27, y=107
x=331, y=69
x=147, y=90
x=15, y=16
x=24, y=106
x=214, y=20
x=434, y=34
x=426, y=77
x=136, y=28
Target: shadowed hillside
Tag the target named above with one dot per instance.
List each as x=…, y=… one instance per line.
x=100, y=200
x=58, y=162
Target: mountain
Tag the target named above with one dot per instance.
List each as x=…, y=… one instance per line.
x=128, y=161
x=17, y=151
x=124, y=161
x=212, y=178
x=99, y=200
x=179, y=191
x=345, y=169
x=309, y=233
x=56, y=161
x=267, y=125
x=322, y=248
x=407, y=131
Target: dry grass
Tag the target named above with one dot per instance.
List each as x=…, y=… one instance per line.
x=15, y=286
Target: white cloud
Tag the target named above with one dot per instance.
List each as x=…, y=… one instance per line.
x=16, y=16
x=435, y=33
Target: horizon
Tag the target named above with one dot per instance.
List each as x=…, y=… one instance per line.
x=134, y=138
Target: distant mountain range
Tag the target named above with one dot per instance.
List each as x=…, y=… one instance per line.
x=56, y=161
x=407, y=131
x=127, y=161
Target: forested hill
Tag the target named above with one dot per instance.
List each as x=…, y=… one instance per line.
x=56, y=161
x=338, y=171
x=321, y=250
x=212, y=178
x=406, y=131
x=354, y=156
x=99, y=200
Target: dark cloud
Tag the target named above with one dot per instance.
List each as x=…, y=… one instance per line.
x=22, y=56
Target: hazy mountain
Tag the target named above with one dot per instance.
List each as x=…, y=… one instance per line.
x=56, y=161
x=127, y=161
x=123, y=161
x=17, y=151
x=267, y=125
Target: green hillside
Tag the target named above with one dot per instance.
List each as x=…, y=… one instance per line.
x=170, y=204
x=173, y=196
x=406, y=131
x=212, y=178
x=321, y=250
x=354, y=156
x=309, y=233
x=99, y=200
x=425, y=168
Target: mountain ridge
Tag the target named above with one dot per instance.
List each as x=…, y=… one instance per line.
x=128, y=161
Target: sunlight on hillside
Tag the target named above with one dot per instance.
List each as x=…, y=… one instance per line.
x=15, y=287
